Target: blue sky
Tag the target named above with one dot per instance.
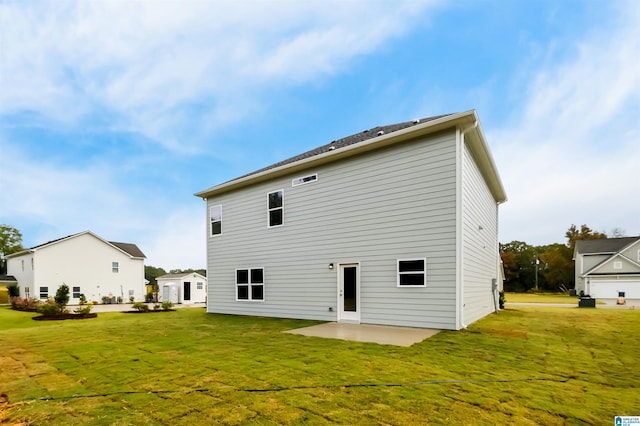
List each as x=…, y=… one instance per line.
x=113, y=113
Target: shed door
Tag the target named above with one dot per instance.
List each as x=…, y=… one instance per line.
x=349, y=292
x=186, y=294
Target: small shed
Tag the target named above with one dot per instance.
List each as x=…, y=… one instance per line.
x=185, y=287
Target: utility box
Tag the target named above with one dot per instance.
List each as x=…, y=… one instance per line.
x=587, y=302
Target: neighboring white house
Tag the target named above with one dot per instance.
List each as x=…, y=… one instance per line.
x=395, y=225
x=187, y=287
x=608, y=268
x=86, y=263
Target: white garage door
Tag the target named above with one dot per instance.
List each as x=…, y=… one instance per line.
x=610, y=289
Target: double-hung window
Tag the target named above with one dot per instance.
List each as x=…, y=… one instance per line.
x=215, y=215
x=44, y=292
x=76, y=292
x=115, y=267
x=412, y=273
x=276, y=208
x=250, y=284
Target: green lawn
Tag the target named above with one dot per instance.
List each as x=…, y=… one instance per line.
x=541, y=298
x=536, y=365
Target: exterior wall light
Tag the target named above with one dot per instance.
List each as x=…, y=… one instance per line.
x=331, y=266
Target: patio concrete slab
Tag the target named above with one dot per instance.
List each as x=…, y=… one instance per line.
x=382, y=334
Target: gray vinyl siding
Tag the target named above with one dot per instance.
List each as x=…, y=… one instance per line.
x=389, y=204
x=479, y=242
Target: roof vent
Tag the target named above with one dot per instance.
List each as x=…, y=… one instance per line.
x=331, y=148
x=416, y=120
x=381, y=132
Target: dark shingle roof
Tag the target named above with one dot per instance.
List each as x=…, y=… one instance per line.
x=349, y=140
x=178, y=275
x=131, y=249
x=7, y=278
x=604, y=245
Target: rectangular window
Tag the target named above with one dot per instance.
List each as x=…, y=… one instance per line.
x=215, y=215
x=44, y=292
x=199, y=286
x=76, y=292
x=276, y=208
x=115, y=267
x=250, y=284
x=412, y=273
x=305, y=179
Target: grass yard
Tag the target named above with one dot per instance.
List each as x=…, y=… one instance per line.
x=541, y=298
x=530, y=365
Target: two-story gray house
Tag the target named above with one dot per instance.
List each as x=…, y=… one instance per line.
x=395, y=225
x=608, y=268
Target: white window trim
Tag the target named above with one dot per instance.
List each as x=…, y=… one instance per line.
x=300, y=180
x=264, y=285
x=115, y=267
x=211, y=234
x=398, y=273
x=269, y=210
x=617, y=265
x=638, y=255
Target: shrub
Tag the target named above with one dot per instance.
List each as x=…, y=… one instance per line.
x=14, y=290
x=167, y=305
x=156, y=307
x=502, y=299
x=20, y=304
x=83, y=299
x=62, y=297
x=50, y=307
x=84, y=309
x=119, y=299
x=105, y=300
x=140, y=306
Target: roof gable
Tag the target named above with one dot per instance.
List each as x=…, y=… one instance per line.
x=615, y=265
x=179, y=275
x=376, y=138
x=128, y=248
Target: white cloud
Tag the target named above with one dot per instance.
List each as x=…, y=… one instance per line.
x=571, y=154
x=142, y=62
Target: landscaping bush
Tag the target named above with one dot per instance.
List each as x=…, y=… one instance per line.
x=50, y=308
x=62, y=297
x=501, y=300
x=83, y=299
x=14, y=290
x=21, y=304
x=167, y=305
x=140, y=306
x=86, y=309
x=156, y=307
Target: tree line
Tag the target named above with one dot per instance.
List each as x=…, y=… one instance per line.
x=549, y=267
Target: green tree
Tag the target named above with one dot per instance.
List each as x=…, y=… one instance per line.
x=10, y=242
x=558, y=269
x=151, y=273
x=62, y=297
x=584, y=233
x=518, y=259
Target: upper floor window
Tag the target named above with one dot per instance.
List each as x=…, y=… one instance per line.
x=412, y=273
x=276, y=208
x=215, y=216
x=115, y=267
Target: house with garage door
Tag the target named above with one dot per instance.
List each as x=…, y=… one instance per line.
x=185, y=287
x=608, y=268
x=88, y=264
x=394, y=225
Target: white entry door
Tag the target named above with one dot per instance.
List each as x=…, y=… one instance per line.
x=349, y=292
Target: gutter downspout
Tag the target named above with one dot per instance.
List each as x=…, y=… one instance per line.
x=459, y=225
